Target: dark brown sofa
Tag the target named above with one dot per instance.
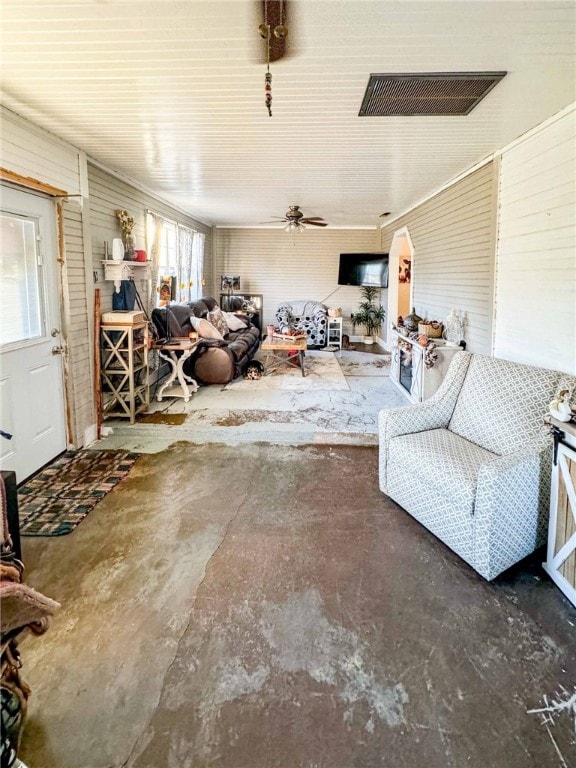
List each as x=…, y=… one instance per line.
x=213, y=362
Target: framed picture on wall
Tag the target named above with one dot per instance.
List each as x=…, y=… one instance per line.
x=229, y=283
x=166, y=290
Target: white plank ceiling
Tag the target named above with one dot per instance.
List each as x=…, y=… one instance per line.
x=171, y=94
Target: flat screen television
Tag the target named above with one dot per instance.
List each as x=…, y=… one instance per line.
x=363, y=269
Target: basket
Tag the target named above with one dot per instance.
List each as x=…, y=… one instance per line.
x=432, y=330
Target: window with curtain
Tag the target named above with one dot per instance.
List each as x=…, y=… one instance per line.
x=177, y=255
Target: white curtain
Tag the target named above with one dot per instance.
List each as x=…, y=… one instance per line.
x=198, y=265
x=185, y=265
x=154, y=230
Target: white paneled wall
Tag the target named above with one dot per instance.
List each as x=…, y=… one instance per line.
x=536, y=259
x=33, y=153
x=107, y=194
x=283, y=266
x=78, y=328
x=30, y=151
x=453, y=234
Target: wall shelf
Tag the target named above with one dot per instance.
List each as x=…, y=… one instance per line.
x=126, y=270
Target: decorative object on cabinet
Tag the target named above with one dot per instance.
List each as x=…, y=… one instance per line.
x=124, y=369
x=369, y=315
x=410, y=322
x=127, y=225
x=560, y=407
x=454, y=328
x=432, y=329
x=560, y=562
x=418, y=371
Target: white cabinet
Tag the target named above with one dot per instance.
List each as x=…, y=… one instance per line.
x=408, y=369
x=334, y=332
x=561, y=556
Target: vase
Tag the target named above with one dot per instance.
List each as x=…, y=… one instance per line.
x=129, y=247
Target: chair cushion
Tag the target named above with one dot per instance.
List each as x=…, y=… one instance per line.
x=438, y=459
x=502, y=404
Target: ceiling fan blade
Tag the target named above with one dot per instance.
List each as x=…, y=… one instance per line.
x=313, y=218
x=314, y=223
x=279, y=221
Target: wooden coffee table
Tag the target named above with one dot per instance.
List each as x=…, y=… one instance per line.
x=272, y=345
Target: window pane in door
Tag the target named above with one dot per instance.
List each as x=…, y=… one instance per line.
x=21, y=303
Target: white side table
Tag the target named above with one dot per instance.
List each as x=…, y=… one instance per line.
x=186, y=385
x=560, y=562
x=334, y=332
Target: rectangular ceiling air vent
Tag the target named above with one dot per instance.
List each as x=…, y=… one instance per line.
x=430, y=93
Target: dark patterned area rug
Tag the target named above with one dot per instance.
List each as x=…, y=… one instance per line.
x=55, y=500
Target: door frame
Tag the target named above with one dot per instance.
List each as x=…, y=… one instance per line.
x=33, y=186
x=400, y=238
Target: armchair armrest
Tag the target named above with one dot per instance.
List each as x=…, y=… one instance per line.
x=435, y=413
x=512, y=506
x=320, y=312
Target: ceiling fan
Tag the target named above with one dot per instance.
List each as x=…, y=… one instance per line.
x=295, y=219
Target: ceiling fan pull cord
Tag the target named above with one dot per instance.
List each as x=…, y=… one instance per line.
x=268, y=75
x=268, y=92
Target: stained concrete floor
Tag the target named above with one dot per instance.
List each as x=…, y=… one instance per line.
x=267, y=607
x=288, y=417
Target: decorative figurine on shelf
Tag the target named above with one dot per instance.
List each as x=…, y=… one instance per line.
x=127, y=225
x=560, y=407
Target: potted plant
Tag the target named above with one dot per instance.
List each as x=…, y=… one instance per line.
x=370, y=315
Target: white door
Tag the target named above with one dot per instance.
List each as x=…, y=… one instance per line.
x=31, y=378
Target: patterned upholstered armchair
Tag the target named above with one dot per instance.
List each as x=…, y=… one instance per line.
x=309, y=316
x=473, y=462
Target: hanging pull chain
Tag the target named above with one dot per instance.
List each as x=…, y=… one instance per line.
x=268, y=75
x=268, y=91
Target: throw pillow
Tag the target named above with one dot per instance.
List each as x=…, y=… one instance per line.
x=205, y=329
x=234, y=322
x=216, y=317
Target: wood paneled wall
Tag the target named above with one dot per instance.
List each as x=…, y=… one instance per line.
x=283, y=266
x=78, y=328
x=536, y=267
x=453, y=234
x=107, y=194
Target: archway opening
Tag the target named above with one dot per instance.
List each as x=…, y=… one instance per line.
x=401, y=261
